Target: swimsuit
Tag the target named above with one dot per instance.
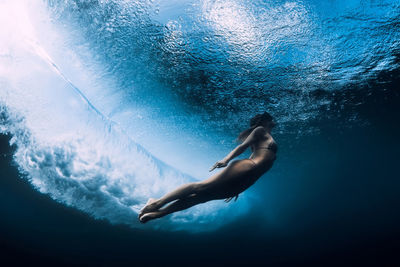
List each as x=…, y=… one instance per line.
x=253, y=162
x=272, y=146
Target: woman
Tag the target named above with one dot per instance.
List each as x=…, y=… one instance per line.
x=228, y=183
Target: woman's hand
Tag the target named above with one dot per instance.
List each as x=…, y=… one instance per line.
x=219, y=164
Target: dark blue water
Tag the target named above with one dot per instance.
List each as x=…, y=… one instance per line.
x=94, y=96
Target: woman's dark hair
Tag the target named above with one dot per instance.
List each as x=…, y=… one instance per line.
x=256, y=121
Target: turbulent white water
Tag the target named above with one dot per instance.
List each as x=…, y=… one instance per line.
x=67, y=147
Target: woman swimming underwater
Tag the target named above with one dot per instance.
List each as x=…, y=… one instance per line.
x=230, y=182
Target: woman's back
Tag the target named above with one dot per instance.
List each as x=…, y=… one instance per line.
x=264, y=150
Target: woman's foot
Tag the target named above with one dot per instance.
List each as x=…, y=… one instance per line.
x=150, y=206
x=149, y=216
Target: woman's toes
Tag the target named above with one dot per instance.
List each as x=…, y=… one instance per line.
x=146, y=217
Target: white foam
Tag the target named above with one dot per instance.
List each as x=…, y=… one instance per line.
x=73, y=152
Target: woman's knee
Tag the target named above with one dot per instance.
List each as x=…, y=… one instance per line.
x=199, y=187
x=200, y=197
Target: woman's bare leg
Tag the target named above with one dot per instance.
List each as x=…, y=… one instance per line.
x=179, y=193
x=180, y=204
x=196, y=188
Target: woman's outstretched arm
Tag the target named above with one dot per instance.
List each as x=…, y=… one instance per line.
x=253, y=136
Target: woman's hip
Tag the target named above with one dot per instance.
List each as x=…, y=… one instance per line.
x=237, y=177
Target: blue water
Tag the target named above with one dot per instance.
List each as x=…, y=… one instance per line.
x=108, y=103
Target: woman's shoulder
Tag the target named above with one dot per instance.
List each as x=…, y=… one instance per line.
x=260, y=130
x=260, y=134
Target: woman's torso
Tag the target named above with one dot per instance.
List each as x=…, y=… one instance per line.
x=230, y=184
x=264, y=152
x=263, y=157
